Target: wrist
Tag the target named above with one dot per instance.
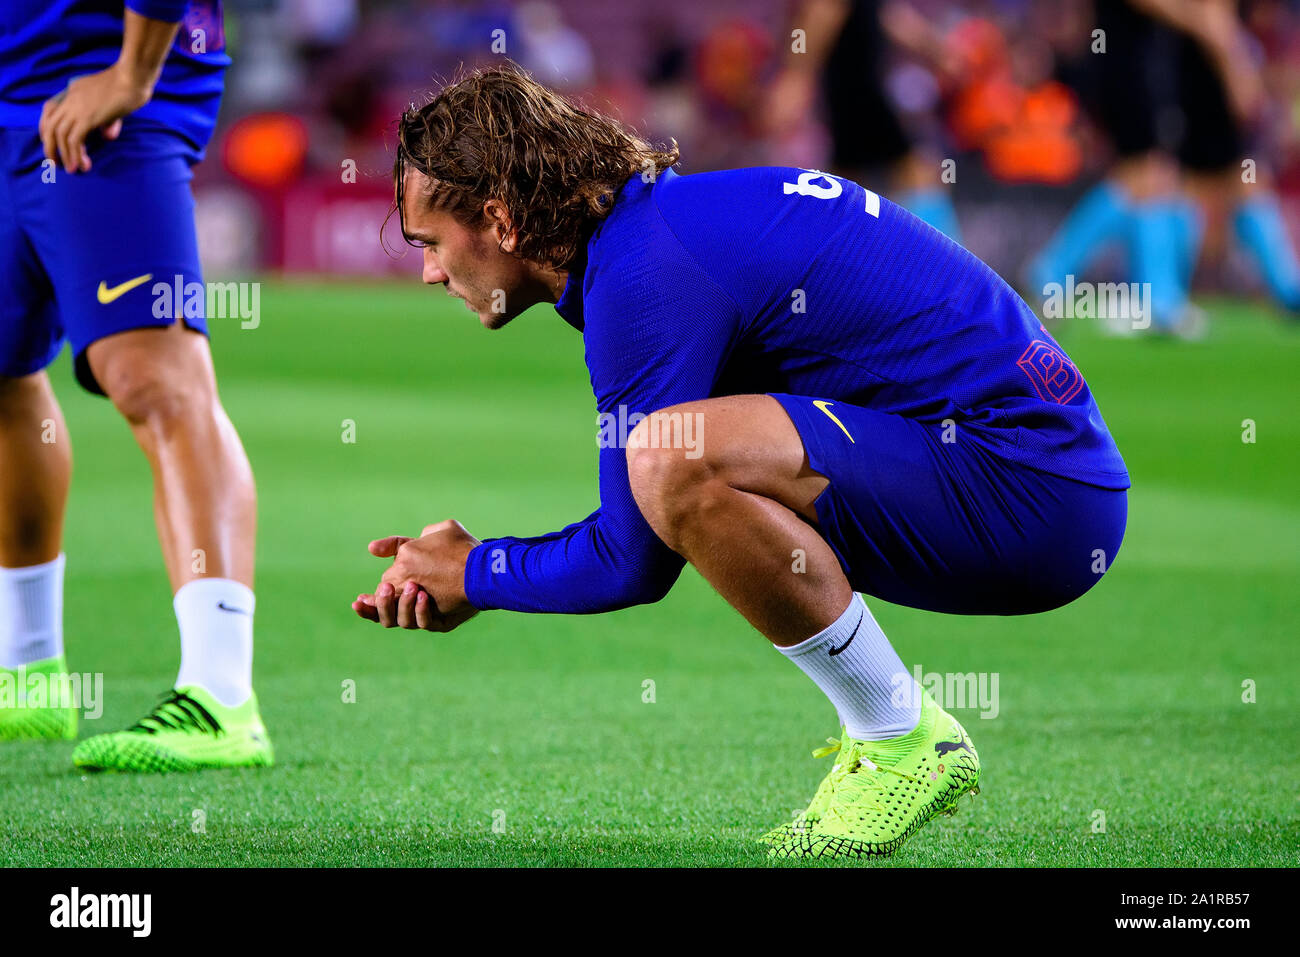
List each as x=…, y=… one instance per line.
x=136, y=81
x=463, y=582
x=474, y=578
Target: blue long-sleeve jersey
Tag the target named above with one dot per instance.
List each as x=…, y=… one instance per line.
x=45, y=43
x=785, y=280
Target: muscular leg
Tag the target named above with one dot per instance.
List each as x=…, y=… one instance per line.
x=162, y=382
x=740, y=514
x=35, y=467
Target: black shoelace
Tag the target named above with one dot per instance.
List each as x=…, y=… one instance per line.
x=177, y=711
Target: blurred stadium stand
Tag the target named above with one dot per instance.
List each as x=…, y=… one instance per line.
x=317, y=84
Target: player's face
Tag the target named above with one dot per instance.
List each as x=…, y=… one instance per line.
x=469, y=261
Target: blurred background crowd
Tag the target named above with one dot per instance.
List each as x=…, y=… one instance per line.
x=1154, y=140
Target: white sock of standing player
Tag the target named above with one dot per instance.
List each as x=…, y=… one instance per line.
x=31, y=613
x=857, y=668
x=215, y=616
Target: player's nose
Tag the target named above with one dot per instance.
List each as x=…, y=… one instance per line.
x=433, y=271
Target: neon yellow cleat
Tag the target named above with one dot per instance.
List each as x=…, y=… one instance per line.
x=36, y=701
x=187, y=731
x=879, y=793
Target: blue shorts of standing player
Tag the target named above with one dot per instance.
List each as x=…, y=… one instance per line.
x=82, y=253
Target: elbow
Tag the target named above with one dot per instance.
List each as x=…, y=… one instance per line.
x=644, y=586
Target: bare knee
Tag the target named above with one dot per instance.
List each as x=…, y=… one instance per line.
x=753, y=447
x=672, y=489
x=155, y=398
x=158, y=379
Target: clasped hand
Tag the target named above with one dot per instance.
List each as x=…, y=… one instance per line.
x=425, y=586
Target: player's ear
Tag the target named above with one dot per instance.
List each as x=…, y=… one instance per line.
x=499, y=218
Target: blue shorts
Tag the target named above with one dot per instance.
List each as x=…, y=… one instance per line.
x=80, y=256
x=950, y=526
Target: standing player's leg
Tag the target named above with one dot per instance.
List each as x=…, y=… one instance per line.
x=1139, y=205
x=867, y=133
x=35, y=468
x=37, y=458
x=1260, y=227
x=205, y=503
x=1215, y=144
x=1164, y=232
x=116, y=242
x=162, y=382
x=741, y=514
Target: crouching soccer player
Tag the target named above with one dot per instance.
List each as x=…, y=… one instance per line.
x=869, y=395
x=103, y=111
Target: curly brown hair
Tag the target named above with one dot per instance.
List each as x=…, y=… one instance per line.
x=499, y=134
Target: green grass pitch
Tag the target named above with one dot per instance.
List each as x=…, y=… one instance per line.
x=525, y=740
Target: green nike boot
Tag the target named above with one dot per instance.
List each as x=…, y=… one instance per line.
x=188, y=730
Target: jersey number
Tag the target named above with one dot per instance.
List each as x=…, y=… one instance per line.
x=806, y=185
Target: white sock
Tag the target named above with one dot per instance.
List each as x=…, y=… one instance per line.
x=31, y=613
x=865, y=679
x=216, y=621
